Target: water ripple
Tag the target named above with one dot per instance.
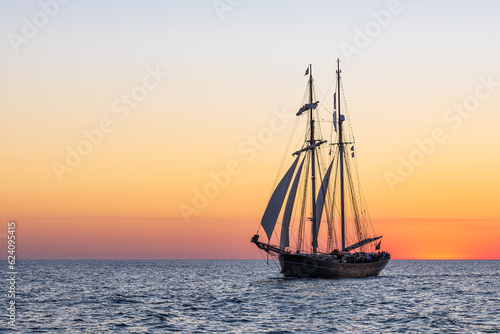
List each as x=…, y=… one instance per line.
x=249, y=296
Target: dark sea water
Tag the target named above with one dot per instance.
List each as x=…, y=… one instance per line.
x=250, y=296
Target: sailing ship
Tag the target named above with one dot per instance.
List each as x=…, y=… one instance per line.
x=326, y=231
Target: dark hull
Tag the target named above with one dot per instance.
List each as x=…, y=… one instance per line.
x=304, y=266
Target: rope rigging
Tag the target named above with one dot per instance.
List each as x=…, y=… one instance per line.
x=358, y=225
x=312, y=196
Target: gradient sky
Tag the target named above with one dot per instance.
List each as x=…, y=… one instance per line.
x=227, y=69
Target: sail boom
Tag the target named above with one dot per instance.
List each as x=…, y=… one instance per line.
x=361, y=243
x=310, y=147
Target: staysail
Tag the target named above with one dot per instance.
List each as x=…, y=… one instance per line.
x=276, y=202
x=320, y=201
x=285, y=226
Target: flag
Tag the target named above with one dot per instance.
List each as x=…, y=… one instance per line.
x=334, y=101
x=352, y=154
x=352, y=148
x=335, y=121
x=307, y=71
x=378, y=245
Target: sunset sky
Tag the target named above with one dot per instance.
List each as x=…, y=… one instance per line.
x=115, y=116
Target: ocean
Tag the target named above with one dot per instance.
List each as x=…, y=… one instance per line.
x=250, y=296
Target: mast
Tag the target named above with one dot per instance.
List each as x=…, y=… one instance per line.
x=313, y=170
x=341, y=153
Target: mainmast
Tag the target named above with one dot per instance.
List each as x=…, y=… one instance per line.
x=313, y=170
x=341, y=154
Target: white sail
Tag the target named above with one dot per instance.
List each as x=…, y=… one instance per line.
x=320, y=201
x=276, y=202
x=285, y=237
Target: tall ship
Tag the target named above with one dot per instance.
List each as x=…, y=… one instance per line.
x=317, y=222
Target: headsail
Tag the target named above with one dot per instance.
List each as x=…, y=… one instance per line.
x=285, y=236
x=276, y=202
x=320, y=201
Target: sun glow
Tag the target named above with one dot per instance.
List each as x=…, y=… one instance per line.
x=228, y=94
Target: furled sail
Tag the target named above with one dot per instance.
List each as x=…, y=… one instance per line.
x=276, y=202
x=307, y=106
x=285, y=236
x=320, y=201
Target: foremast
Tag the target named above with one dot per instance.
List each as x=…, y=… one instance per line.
x=340, y=119
x=313, y=169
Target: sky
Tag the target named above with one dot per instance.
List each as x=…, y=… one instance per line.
x=128, y=127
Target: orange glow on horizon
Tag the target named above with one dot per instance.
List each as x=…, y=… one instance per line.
x=222, y=238
x=440, y=239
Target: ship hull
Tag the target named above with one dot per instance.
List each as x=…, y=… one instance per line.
x=304, y=266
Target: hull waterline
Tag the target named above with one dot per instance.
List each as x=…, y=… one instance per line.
x=303, y=266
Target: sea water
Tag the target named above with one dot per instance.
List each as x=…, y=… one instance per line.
x=251, y=297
